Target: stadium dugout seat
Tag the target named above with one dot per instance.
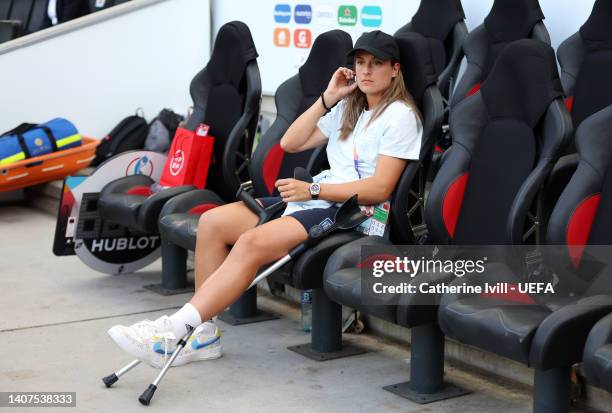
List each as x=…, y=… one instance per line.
x=226, y=96
x=442, y=23
x=9, y=30
x=179, y=218
x=585, y=59
x=508, y=21
x=21, y=17
x=550, y=333
x=307, y=271
x=593, y=43
x=508, y=135
x=5, y=9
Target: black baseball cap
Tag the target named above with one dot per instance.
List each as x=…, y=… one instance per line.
x=380, y=44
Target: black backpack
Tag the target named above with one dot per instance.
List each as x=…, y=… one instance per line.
x=128, y=135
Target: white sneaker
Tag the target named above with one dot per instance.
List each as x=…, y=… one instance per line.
x=149, y=341
x=204, y=344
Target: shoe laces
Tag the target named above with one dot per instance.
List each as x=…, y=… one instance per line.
x=160, y=328
x=146, y=329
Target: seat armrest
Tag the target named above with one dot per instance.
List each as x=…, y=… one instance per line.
x=123, y=185
x=600, y=335
x=308, y=268
x=148, y=215
x=561, y=337
x=186, y=201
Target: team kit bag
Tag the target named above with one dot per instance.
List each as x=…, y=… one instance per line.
x=128, y=135
x=189, y=158
x=29, y=140
x=161, y=131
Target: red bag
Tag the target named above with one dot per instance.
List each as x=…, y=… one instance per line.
x=204, y=160
x=190, y=151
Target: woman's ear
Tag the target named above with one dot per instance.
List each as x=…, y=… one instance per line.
x=396, y=69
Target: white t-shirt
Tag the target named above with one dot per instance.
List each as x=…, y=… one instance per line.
x=397, y=132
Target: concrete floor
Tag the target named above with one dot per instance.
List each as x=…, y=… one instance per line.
x=55, y=313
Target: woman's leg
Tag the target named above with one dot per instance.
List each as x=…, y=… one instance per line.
x=253, y=249
x=218, y=229
x=150, y=341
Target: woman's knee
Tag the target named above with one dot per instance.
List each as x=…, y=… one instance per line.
x=211, y=223
x=250, y=246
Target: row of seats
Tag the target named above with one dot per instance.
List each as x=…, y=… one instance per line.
x=508, y=132
x=509, y=129
x=21, y=17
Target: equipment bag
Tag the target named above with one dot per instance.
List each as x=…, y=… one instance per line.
x=128, y=135
x=29, y=140
x=161, y=131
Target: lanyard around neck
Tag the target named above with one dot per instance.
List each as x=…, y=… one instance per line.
x=355, y=154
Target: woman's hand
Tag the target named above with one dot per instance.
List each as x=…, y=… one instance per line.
x=339, y=86
x=292, y=190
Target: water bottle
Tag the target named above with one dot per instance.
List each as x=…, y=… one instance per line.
x=306, y=310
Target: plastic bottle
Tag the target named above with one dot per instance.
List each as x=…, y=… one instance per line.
x=306, y=310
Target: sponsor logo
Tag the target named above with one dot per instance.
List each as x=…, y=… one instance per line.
x=302, y=38
x=282, y=37
x=177, y=162
x=125, y=244
x=324, y=15
x=326, y=223
x=302, y=14
x=282, y=13
x=139, y=166
x=371, y=16
x=347, y=15
x=38, y=142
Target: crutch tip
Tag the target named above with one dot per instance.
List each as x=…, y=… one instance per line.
x=147, y=395
x=110, y=379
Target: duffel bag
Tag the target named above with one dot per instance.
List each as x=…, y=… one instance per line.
x=30, y=140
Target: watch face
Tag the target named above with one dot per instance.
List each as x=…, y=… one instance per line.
x=315, y=189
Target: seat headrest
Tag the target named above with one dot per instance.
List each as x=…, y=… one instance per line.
x=436, y=18
x=416, y=63
x=596, y=31
x=511, y=20
x=327, y=54
x=233, y=50
x=523, y=82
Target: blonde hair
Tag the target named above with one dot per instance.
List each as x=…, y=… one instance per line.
x=356, y=102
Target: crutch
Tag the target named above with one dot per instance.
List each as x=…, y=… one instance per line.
x=347, y=217
x=264, y=214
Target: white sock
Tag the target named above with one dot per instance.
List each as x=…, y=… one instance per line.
x=187, y=315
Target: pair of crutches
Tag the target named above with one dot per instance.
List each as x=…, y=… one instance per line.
x=347, y=217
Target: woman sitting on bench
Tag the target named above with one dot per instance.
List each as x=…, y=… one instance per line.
x=372, y=128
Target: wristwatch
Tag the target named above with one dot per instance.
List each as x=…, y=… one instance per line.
x=315, y=190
